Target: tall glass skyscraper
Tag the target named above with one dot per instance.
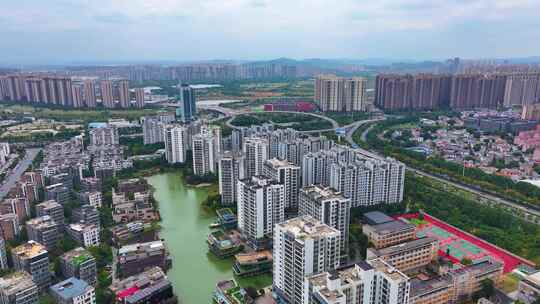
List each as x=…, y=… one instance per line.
x=187, y=99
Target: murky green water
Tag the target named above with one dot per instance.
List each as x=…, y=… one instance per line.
x=185, y=228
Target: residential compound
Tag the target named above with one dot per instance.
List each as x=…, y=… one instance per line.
x=65, y=157
x=132, y=201
x=461, y=91
x=126, y=209
x=64, y=91
x=337, y=94
x=365, y=180
x=153, y=127
x=329, y=207
x=104, y=136
x=28, y=186
x=372, y=282
x=298, y=161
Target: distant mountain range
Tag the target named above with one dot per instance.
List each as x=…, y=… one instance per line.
x=309, y=63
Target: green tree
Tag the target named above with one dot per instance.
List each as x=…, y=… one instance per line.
x=66, y=243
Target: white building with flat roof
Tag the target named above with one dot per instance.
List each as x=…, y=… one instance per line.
x=329, y=207
x=287, y=174
x=175, y=138
x=261, y=205
x=302, y=246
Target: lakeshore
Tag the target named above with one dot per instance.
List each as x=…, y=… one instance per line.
x=185, y=227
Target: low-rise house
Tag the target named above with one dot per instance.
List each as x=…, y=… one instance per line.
x=44, y=230
x=18, y=288
x=33, y=258
x=135, y=258
x=73, y=291
x=79, y=263
x=150, y=286
x=86, y=235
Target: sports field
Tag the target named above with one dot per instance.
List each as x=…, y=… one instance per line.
x=457, y=245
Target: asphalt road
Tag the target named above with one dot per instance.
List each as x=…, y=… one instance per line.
x=14, y=176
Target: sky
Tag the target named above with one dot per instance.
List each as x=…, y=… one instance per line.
x=76, y=31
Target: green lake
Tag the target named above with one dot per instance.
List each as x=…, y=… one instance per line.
x=185, y=228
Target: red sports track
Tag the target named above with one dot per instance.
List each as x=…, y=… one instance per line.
x=510, y=260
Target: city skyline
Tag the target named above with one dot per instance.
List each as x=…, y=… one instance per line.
x=62, y=32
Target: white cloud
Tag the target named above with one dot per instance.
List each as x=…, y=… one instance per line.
x=271, y=28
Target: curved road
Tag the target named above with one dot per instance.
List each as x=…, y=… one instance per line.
x=334, y=123
x=488, y=196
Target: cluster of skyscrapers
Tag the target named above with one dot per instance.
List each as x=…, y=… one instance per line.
x=192, y=72
x=462, y=91
x=338, y=94
x=65, y=92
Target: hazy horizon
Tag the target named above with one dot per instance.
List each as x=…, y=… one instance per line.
x=59, y=32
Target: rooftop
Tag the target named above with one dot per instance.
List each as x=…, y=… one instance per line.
x=80, y=227
x=278, y=163
x=389, y=270
x=49, y=204
x=391, y=227
x=405, y=246
x=70, y=288
x=77, y=256
x=141, y=247
x=41, y=222
x=16, y=282
x=255, y=257
x=419, y=287
x=304, y=227
x=377, y=217
x=347, y=274
x=319, y=193
x=29, y=249
x=257, y=182
x=139, y=285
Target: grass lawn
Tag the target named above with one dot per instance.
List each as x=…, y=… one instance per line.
x=299, y=122
x=86, y=115
x=344, y=119
x=418, y=222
